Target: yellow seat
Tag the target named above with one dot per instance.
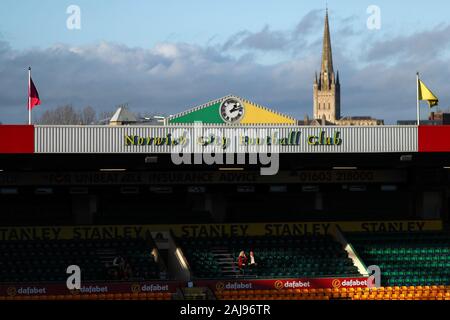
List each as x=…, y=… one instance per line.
x=126, y=296
x=135, y=295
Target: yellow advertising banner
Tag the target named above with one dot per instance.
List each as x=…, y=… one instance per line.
x=213, y=230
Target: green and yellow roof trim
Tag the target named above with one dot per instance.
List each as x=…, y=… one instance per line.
x=209, y=113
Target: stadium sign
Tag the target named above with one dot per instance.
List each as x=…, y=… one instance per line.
x=89, y=288
x=293, y=138
x=158, y=287
x=199, y=177
x=213, y=138
x=18, y=139
x=213, y=230
x=284, y=284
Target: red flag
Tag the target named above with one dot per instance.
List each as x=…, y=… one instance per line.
x=33, y=95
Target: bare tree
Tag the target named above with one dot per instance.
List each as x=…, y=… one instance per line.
x=61, y=115
x=88, y=115
x=105, y=116
x=67, y=115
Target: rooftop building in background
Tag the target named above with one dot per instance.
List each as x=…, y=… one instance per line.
x=122, y=117
x=440, y=117
x=437, y=118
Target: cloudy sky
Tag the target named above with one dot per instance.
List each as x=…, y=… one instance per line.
x=167, y=56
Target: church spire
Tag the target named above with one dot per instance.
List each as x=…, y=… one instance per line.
x=327, y=57
x=327, y=92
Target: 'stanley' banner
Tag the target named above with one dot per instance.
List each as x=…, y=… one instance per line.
x=213, y=230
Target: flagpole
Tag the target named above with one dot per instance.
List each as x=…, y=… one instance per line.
x=418, y=102
x=29, y=97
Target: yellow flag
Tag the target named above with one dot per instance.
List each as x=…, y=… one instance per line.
x=426, y=94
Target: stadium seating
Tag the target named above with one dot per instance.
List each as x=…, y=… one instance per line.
x=406, y=259
x=38, y=261
x=382, y=293
x=93, y=296
x=276, y=257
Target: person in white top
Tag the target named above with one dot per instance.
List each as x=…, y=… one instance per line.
x=252, y=259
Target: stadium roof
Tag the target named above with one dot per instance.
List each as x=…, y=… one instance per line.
x=244, y=112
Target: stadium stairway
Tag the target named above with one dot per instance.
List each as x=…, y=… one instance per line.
x=225, y=261
x=339, y=236
x=106, y=255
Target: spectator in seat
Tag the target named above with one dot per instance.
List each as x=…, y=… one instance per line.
x=252, y=259
x=127, y=272
x=119, y=263
x=242, y=260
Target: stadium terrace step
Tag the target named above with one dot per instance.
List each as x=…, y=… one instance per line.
x=225, y=262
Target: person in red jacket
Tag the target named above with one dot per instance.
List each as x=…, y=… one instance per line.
x=242, y=260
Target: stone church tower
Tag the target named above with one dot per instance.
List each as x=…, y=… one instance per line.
x=327, y=89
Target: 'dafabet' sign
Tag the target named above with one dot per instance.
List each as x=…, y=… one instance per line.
x=280, y=284
x=89, y=288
